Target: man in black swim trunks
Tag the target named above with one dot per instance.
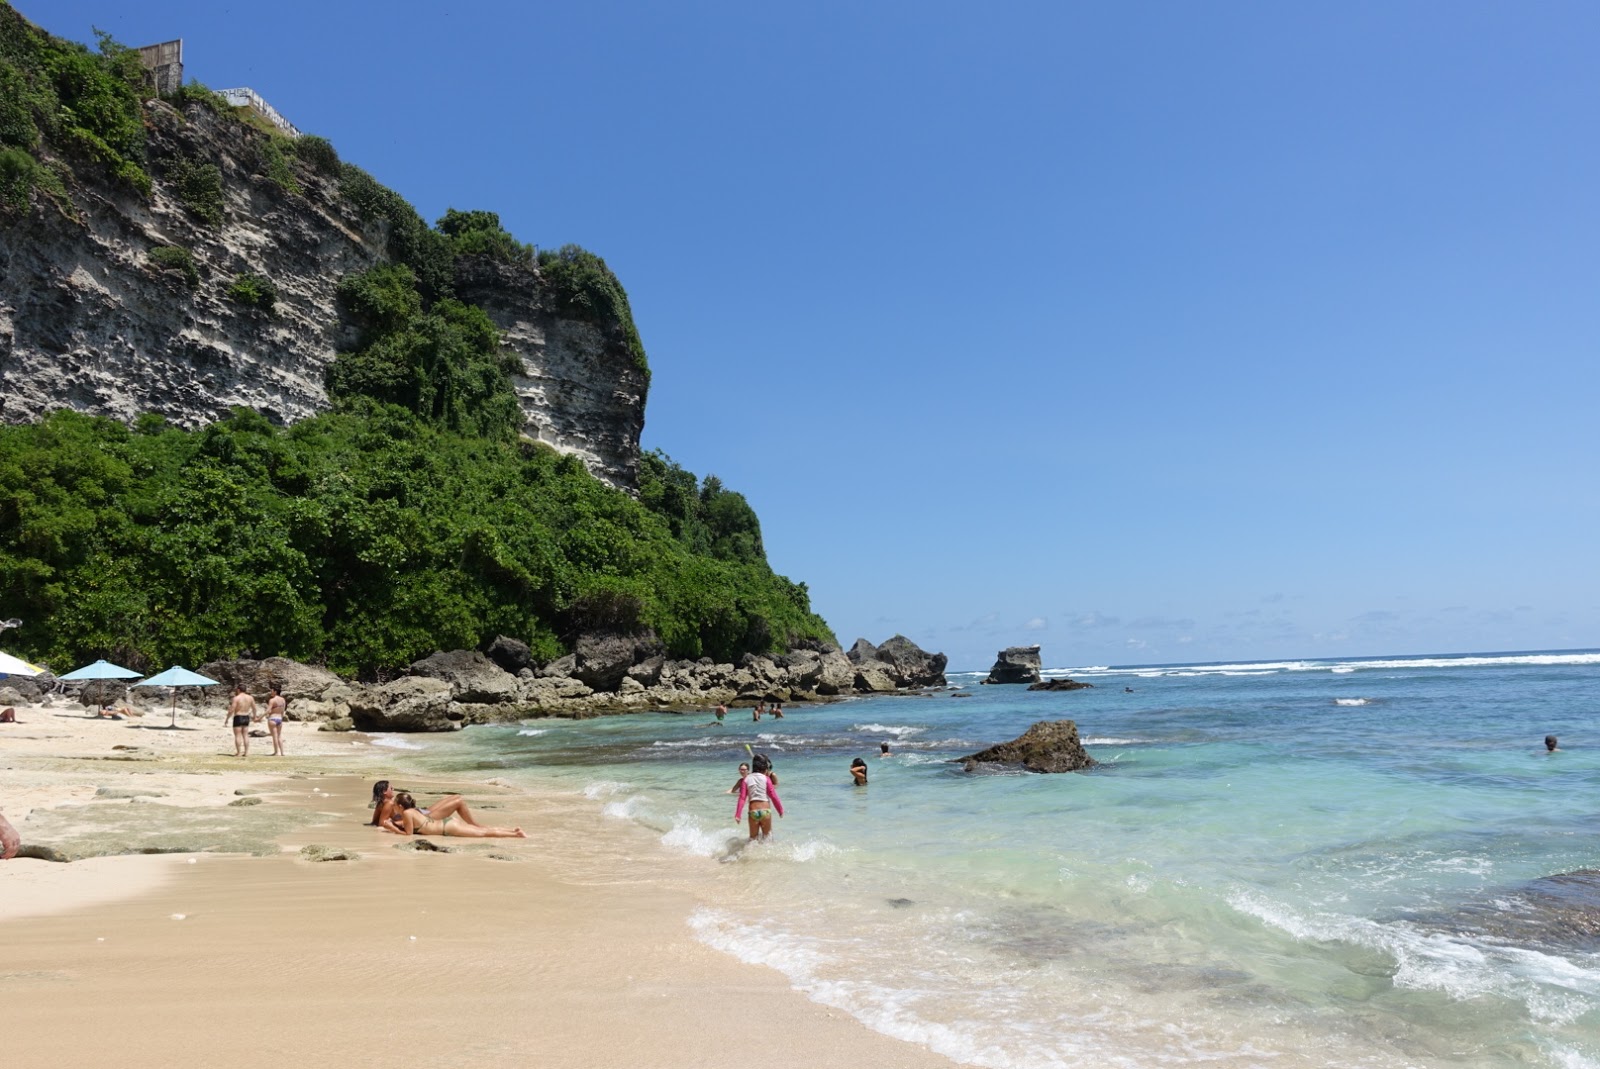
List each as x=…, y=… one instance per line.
x=243, y=710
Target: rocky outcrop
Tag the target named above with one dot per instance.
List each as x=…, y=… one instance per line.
x=473, y=678
x=1048, y=746
x=511, y=654
x=911, y=665
x=88, y=322
x=1015, y=664
x=298, y=682
x=1061, y=684
x=410, y=703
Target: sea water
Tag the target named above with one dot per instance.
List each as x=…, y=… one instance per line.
x=1322, y=862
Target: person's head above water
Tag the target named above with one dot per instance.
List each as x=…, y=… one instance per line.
x=759, y=763
x=1550, y=743
x=883, y=747
x=858, y=763
x=744, y=768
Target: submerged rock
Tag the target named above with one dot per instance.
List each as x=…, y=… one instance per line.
x=1048, y=746
x=322, y=852
x=1015, y=664
x=1060, y=684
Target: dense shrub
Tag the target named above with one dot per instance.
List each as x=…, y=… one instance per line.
x=411, y=242
x=193, y=92
x=319, y=153
x=198, y=187
x=480, y=234
x=442, y=362
x=19, y=173
x=177, y=260
x=253, y=291
x=365, y=539
x=275, y=151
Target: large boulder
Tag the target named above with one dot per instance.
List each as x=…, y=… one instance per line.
x=836, y=674
x=1048, y=746
x=862, y=652
x=601, y=660
x=410, y=703
x=911, y=664
x=872, y=677
x=509, y=653
x=295, y=680
x=1016, y=664
x=472, y=676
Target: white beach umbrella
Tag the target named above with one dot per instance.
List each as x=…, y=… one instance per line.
x=175, y=677
x=16, y=666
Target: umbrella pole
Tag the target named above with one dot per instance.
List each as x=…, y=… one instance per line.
x=174, y=706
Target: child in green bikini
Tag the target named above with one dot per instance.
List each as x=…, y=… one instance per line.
x=760, y=790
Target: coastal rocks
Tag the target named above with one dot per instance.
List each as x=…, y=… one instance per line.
x=511, y=654
x=1047, y=746
x=1015, y=664
x=297, y=682
x=836, y=673
x=472, y=676
x=410, y=703
x=1560, y=913
x=601, y=660
x=911, y=665
x=1060, y=684
x=872, y=677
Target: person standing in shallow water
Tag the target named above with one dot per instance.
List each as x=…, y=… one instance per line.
x=760, y=791
x=858, y=772
x=242, y=709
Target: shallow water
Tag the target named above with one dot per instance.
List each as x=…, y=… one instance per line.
x=1296, y=863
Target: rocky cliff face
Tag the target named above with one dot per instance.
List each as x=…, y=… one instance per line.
x=88, y=322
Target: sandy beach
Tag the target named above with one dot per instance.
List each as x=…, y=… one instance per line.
x=569, y=948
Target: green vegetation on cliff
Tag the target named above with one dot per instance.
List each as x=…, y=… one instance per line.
x=364, y=539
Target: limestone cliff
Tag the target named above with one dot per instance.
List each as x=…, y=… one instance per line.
x=88, y=321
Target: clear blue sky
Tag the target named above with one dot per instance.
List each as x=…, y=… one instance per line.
x=1145, y=332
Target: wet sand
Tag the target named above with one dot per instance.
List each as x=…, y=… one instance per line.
x=569, y=948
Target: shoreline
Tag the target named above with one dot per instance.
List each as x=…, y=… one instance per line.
x=568, y=948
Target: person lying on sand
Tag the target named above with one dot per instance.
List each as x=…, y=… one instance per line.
x=386, y=810
x=10, y=841
x=120, y=712
x=415, y=822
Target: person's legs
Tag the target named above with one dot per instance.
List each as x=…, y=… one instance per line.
x=766, y=823
x=241, y=741
x=462, y=830
x=755, y=825
x=453, y=804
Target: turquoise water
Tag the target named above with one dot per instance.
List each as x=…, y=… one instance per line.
x=1295, y=863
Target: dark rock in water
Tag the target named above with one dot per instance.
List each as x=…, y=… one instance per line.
x=1558, y=912
x=912, y=665
x=1048, y=746
x=320, y=852
x=240, y=802
x=1015, y=664
x=961, y=694
x=900, y=903
x=512, y=654
x=1060, y=684
x=42, y=853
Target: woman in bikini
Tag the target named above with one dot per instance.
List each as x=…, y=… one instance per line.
x=415, y=822
x=276, y=707
x=386, y=811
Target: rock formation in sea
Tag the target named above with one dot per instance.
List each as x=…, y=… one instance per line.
x=1015, y=664
x=1047, y=746
x=1060, y=684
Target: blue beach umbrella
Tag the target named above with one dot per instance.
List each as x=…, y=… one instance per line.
x=99, y=670
x=175, y=677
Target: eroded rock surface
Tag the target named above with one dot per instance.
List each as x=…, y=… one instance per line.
x=1048, y=746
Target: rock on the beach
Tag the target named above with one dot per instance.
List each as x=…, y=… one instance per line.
x=343, y=723
x=410, y=703
x=873, y=677
x=422, y=846
x=472, y=676
x=862, y=652
x=1015, y=664
x=296, y=681
x=512, y=654
x=1060, y=684
x=1048, y=746
x=322, y=852
x=241, y=802
x=601, y=659
x=836, y=673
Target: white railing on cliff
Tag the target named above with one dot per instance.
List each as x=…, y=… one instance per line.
x=249, y=98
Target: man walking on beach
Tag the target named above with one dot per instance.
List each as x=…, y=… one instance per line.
x=243, y=711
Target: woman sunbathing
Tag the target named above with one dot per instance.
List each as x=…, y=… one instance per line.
x=386, y=812
x=415, y=822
